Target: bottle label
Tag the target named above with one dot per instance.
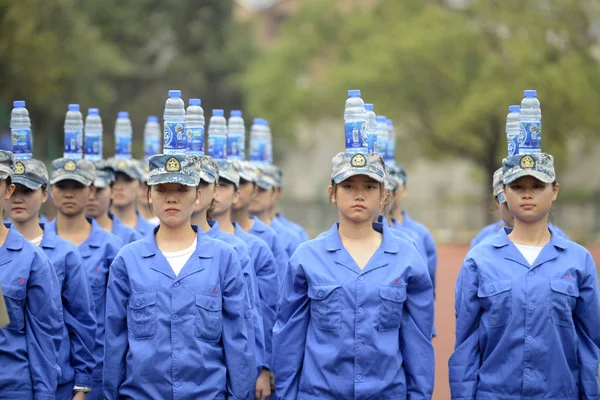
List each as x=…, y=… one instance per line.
x=93, y=145
x=217, y=147
x=195, y=140
x=151, y=146
x=355, y=133
x=21, y=141
x=390, y=153
x=513, y=144
x=123, y=146
x=530, y=136
x=73, y=143
x=258, y=150
x=174, y=137
x=235, y=146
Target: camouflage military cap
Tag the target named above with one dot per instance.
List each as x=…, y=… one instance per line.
x=498, y=186
x=247, y=170
x=31, y=173
x=266, y=177
x=538, y=165
x=105, y=173
x=130, y=167
x=144, y=168
x=278, y=175
x=209, y=169
x=7, y=164
x=396, y=172
x=82, y=171
x=347, y=165
x=228, y=171
x=174, y=168
x=390, y=183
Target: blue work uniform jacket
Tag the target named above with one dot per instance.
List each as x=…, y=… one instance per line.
x=288, y=237
x=491, y=230
x=29, y=345
x=265, y=268
x=178, y=337
x=526, y=331
x=347, y=333
x=300, y=231
x=268, y=235
x=98, y=252
x=123, y=232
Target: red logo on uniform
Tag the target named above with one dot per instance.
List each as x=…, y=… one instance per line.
x=96, y=270
x=214, y=290
x=397, y=281
x=21, y=280
x=568, y=276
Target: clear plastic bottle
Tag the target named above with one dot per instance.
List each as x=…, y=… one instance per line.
x=194, y=123
x=236, y=136
x=123, y=136
x=73, y=133
x=20, y=131
x=371, y=128
x=390, y=151
x=355, y=118
x=152, y=139
x=93, y=135
x=382, y=135
x=175, y=139
x=258, y=142
x=530, y=116
x=269, y=143
x=217, y=135
x=513, y=129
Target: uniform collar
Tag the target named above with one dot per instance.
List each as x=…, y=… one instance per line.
x=49, y=239
x=388, y=241
x=258, y=225
x=214, y=229
x=93, y=241
x=14, y=240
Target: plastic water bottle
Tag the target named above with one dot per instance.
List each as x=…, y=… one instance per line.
x=194, y=123
x=236, y=136
x=382, y=135
x=390, y=151
x=269, y=143
x=217, y=135
x=530, y=117
x=355, y=118
x=513, y=129
x=93, y=135
x=20, y=131
x=152, y=139
x=175, y=140
x=73, y=133
x=123, y=134
x=371, y=128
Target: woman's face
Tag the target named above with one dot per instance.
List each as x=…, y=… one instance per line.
x=262, y=201
x=247, y=192
x=99, y=202
x=173, y=203
x=225, y=195
x=208, y=194
x=125, y=190
x=358, y=198
x=71, y=197
x=24, y=204
x=529, y=199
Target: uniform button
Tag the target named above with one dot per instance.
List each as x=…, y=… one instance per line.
x=177, y=384
x=320, y=294
x=361, y=310
x=360, y=345
x=397, y=297
x=176, y=284
x=361, y=278
x=531, y=305
x=176, y=352
x=527, y=370
x=175, y=316
x=60, y=317
x=530, y=338
x=248, y=314
x=569, y=289
x=358, y=377
x=138, y=303
x=492, y=289
x=531, y=273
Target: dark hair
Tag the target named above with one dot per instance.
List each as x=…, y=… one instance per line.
x=227, y=182
x=245, y=182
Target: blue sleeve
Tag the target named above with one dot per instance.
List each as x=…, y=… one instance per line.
x=43, y=328
x=281, y=256
x=266, y=276
x=116, y=342
x=289, y=333
x=464, y=363
x=431, y=258
x=80, y=319
x=240, y=359
x=417, y=325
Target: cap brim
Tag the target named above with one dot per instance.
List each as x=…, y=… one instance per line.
x=4, y=174
x=247, y=178
x=542, y=177
x=208, y=178
x=501, y=198
x=71, y=177
x=172, y=178
x=28, y=183
x=129, y=173
x=102, y=183
x=264, y=185
x=230, y=178
x=347, y=174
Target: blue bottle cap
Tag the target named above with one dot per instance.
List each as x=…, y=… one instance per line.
x=218, y=112
x=389, y=122
x=174, y=94
x=514, y=109
x=73, y=107
x=381, y=118
x=265, y=122
x=236, y=113
x=93, y=111
x=353, y=93
x=153, y=118
x=19, y=104
x=369, y=107
x=123, y=114
x=530, y=93
x=195, y=102
x=256, y=121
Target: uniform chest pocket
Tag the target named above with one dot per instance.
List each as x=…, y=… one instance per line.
x=325, y=307
x=14, y=297
x=390, y=311
x=209, y=318
x=142, y=315
x=564, y=299
x=496, y=300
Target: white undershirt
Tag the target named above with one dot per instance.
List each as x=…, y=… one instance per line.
x=530, y=253
x=38, y=240
x=177, y=259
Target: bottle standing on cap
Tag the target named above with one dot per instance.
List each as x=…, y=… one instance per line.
x=390, y=151
x=93, y=135
x=355, y=118
x=73, y=133
x=236, y=136
x=258, y=142
x=513, y=128
x=382, y=135
x=530, y=116
x=20, y=131
x=371, y=129
x=217, y=135
x=123, y=134
x=269, y=147
x=152, y=138
x=195, y=128
x=175, y=140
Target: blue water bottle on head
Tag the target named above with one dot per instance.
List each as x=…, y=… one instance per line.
x=371, y=129
x=73, y=133
x=123, y=136
x=175, y=139
x=268, y=160
x=530, y=116
x=20, y=131
x=513, y=129
x=355, y=118
x=382, y=135
x=258, y=142
x=93, y=135
x=390, y=150
x=236, y=136
x=152, y=137
x=194, y=123
x=217, y=135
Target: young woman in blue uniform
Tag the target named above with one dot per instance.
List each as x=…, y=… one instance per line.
x=178, y=324
x=355, y=309
x=527, y=303
x=72, y=186
x=29, y=345
x=76, y=356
